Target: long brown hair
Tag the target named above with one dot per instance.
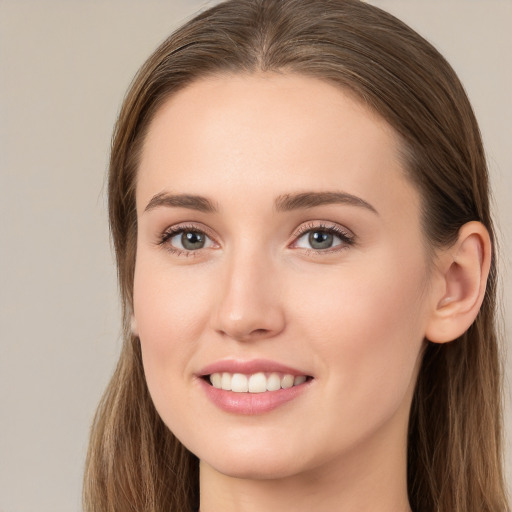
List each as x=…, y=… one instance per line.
x=134, y=462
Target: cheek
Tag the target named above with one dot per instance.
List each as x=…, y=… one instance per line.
x=368, y=326
x=168, y=307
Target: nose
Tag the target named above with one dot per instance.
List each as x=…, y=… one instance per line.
x=249, y=301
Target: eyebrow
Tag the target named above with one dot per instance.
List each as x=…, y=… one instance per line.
x=283, y=203
x=190, y=201
x=305, y=200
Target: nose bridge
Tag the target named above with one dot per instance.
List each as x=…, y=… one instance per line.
x=249, y=300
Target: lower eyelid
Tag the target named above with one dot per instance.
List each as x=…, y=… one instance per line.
x=165, y=240
x=339, y=247
x=209, y=242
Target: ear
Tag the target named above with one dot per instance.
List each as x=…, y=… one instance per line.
x=133, y=325
x=461, y=278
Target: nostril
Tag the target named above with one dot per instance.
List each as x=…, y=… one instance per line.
x=259, y=331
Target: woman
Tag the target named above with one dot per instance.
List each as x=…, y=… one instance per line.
x=299, y=205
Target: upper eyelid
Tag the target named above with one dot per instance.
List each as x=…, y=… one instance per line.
x=186, y=226
x=165, y=236
x=347, y=237
x=326, y=225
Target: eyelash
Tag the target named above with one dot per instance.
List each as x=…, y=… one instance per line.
x=171, y=232
x=347, y=239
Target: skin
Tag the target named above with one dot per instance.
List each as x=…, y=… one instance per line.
x=353, y=317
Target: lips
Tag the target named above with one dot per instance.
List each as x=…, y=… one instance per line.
x=249, y=367
x=252, y=387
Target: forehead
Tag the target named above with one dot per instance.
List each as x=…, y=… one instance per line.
x=269, y=133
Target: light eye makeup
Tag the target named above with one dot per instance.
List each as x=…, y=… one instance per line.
x=313, y=237
x=323, y=237
x=186, y=240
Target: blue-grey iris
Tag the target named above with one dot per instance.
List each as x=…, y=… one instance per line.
x=320, y=239
x=192, y=240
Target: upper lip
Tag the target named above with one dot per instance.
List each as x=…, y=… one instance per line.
x=249, y=367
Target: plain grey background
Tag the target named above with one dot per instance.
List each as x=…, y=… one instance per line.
x=64, y=68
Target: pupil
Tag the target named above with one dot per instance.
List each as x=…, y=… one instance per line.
x=320, y=239
x=192, y=240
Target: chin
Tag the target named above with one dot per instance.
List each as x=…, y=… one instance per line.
x=254, y=469
x=257, y=462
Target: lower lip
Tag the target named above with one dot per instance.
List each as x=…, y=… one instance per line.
x=251, y=403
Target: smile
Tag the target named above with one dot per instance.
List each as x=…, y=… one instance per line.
x=252, y=387
x=255, y=383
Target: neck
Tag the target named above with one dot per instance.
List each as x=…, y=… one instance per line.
x=370, y=479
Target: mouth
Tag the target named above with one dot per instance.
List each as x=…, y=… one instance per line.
x=260, y=382
x=252, y=387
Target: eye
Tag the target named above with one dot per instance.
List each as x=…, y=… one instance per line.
x=323, y=238
x=182, y=239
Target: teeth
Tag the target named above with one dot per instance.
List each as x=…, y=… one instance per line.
x=273, y=382
x=216, y=380
x=287, y=381
x=255, y=383
x=225, y=381
x=299, y=380
x=239, y=383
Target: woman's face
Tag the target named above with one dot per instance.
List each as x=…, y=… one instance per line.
x=279, y=244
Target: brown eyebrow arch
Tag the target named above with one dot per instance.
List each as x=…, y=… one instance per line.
x=302, y=200
x=190, y=201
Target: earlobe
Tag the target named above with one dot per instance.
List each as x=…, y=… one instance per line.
x=463, y=270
